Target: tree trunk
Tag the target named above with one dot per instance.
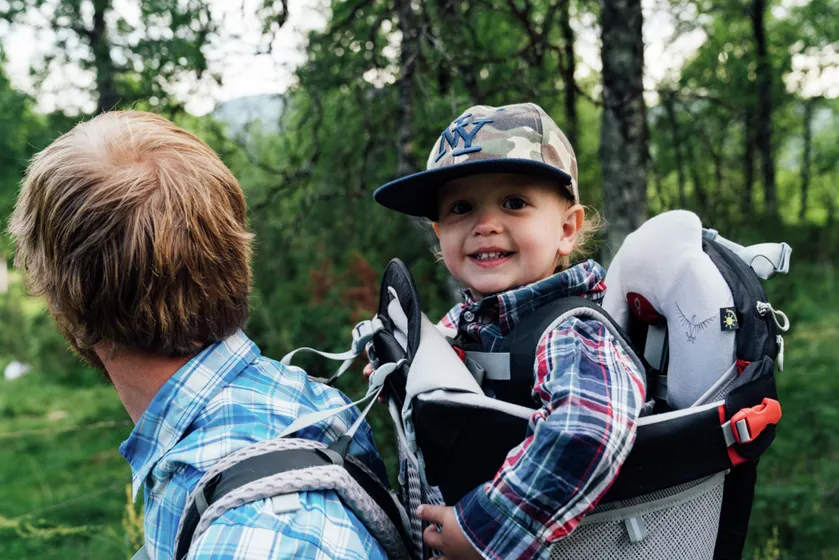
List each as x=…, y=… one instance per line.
x=764, y=124
x=807, y=156
x=677, y=147
x=408, y=54
x=748, y=162
x=698, y=184
x=101, y=47
x=623, y=136
x=570, y=69
x=405, y=108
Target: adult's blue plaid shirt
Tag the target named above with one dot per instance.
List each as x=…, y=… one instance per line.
x=226, y=398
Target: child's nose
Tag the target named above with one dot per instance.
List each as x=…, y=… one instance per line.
x=488, y=223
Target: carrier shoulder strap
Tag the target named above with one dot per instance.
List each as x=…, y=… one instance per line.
x=250, y=480
x=507, y=372
x=523, y=340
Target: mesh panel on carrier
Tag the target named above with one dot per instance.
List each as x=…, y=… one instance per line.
x=680, y=522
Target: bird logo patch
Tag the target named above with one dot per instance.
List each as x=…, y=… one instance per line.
x=692, y=326
x=728, y=319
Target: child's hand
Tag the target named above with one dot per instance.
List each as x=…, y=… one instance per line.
x=450, y=541
x=368, y=371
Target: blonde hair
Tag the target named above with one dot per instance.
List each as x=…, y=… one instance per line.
x=134, y=232
x=584, y=247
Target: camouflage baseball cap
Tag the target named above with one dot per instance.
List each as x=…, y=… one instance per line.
x=519, y=138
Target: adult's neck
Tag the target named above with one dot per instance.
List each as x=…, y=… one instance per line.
x=138, y=376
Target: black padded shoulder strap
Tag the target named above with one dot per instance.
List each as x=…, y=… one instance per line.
x=522, y=341
x=277, y=462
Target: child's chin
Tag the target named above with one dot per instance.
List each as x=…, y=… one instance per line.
x=488, y=288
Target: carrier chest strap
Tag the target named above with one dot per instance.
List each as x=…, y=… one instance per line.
x=489, y=365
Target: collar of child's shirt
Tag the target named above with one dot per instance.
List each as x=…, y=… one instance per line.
x=508, y=308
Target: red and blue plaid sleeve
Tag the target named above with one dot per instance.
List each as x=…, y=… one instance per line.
x=591, y=394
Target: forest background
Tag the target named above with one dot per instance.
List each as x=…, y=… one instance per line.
x=742, y=128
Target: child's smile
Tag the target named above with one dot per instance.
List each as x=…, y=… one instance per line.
x=489, y=257
x=501, y=231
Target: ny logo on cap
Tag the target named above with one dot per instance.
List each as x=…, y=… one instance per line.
x=452, y=137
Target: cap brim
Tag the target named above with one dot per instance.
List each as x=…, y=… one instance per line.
x=416, y=195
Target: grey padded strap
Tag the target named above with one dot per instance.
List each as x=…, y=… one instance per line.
x=318, y=478
x=141, y=554
x=766, y=259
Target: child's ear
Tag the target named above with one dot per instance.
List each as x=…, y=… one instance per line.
x=436, y=227
x=572, y=223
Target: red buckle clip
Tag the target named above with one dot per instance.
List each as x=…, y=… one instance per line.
x=749, y=423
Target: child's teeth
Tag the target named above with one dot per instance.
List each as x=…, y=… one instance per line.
x=488, y=256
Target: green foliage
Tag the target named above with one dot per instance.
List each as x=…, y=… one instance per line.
x=796, y=504
x=322, y=242
x=130, y=60
x=58, y=450
x=29, y=335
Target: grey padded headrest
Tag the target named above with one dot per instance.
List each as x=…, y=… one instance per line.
x=661, y=268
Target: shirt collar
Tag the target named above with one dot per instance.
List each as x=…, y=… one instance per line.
x=508, y=308
x=181, y=399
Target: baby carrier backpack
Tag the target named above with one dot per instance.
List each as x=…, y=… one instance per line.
x=685, y=304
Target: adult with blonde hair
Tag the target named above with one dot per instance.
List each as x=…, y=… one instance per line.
x=134, y=232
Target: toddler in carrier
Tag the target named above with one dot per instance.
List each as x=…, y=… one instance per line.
x=501, y=191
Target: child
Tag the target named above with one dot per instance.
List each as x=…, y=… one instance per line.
x=501, y=191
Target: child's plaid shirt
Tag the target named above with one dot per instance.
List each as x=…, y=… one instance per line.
x=591, y=394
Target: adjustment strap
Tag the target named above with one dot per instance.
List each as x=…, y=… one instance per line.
x=362, y=334
x=766, y=259
x=377, y=380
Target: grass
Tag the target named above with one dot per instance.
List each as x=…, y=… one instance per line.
x=63, y=493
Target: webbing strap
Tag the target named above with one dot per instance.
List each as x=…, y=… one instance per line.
x=377, y=380
x=362, y=333
x=766, y=259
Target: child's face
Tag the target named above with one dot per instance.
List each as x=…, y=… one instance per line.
x=501, y=231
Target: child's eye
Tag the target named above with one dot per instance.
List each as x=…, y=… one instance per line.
x=461, y=207
x=514, y=203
